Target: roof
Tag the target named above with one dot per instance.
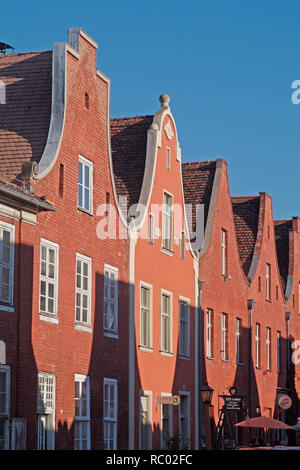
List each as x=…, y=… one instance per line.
x=246, y=213
x=128, y=146
x=282, y=229
x=25, y=116
x=197, y=178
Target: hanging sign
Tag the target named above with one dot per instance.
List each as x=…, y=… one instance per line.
x=285, y=402
x=170, y=400
x=233, y=403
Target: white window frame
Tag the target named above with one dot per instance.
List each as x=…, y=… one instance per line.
x=167, y=222
x=170, y=419
x=5, y=415
x=169, y=315
x=268, y=348
x=268, y=281
x=85, y=163
x=111, y=421
x=79, y=419
x=45, y=314
x=224, y=248
x=112, y=332
x=79, y=323
x=8, y=304
x=209, y=332
x=257, y=345
x=148, y=395
x=46, y=413
x=186, y=352
x=188, y=418
x=225, y=342
x=142, y=346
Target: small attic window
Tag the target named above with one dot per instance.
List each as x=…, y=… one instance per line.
x=87, y=100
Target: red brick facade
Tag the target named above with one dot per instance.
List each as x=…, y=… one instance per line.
x=113, y=313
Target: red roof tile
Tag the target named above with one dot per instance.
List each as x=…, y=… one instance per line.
x=198, y=178
x=25, y=118
x=128, y=145
x=246, y=212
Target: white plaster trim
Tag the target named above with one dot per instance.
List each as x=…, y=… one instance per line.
x=58, y=109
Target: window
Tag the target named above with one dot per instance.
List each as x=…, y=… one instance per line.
x=82, y=413
x=4, y=406
x=6, y=263
x=166, y=422
x=168, y=158
x=224, y=324
x=46, y=411
x=145, y=421
x=209, y=333
x=268, y=348
x=268, y=281
x=184, y=328
x=167, y=224
x=110, y=414
x=257, y=345
x=85, y=184
x=182, y=245
x=110, y=299
x=238, y=325
x=48, y=277
x=278, y=352
x=224, y=251
x=151, y=229
x=184, y=420
x=146, y=316
x=166, y=322
x=83, y=289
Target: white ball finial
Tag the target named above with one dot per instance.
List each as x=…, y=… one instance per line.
x=164, y=100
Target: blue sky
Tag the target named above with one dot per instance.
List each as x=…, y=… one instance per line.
x=228, y=67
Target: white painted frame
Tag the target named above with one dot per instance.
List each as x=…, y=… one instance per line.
x=148, y=395
x=85, y=162
x=80, y=379
x=187, y=302
x=170, y=295
x=5, y=369
x=170, y=410
x=114, y=420
x=45, y=315
x=108, y=331
x=10, y=228
x=79, y=324
x=143, y=347
x=187, y=395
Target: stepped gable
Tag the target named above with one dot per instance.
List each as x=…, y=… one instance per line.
x=246, y=213
x=282, y=229
x=198, y=179
x=128, y=147
x=25, y=116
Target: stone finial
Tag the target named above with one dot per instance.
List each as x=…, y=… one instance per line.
x=164, y=100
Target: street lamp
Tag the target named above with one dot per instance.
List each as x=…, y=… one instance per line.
x=206, y=395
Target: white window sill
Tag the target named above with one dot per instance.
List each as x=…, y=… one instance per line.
x=148, y=349
x=7, y=308
x=167, y=251
x=111, y=334
x=48, y=318
x=85, y=211
x=83, y=327
x=166, y=353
